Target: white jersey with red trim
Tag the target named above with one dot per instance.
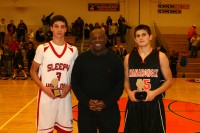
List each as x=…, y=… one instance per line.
x=55, y=62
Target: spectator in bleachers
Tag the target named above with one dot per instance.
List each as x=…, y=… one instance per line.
x=11, y=29
x=121, y=52
x=121, y=18
x=123, y=30
x=31, y=36
x=2, y=31
x=87, y=31
x=183, y=63
x=113, y=33
x=78, y=27
x=14, y=44
x=91, y=26
x=21, y=31
x=109, y=21
x=7, y=60
x=45, y=22
x=40, y=36
x=173, y=63
x=103, y=26
x=19, y=63
x=191, y=33
x=30, y=53
x=96, y=25
x=23, y=51
x=195, y=43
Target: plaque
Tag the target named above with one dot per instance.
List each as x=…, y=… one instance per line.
x=141, y=95
x=55, y=91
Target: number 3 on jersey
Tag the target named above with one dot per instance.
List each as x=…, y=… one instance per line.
x=58, y=75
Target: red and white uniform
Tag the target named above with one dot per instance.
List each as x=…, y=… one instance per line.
x=55, y=62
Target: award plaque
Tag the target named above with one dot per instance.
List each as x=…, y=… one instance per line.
x=141, y=95
x=55, y=91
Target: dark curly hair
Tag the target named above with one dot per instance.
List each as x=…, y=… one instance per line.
x=58, y=18
x=142, y=27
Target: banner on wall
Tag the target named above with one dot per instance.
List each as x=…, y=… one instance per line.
x=103, y=6
x=169, y=11
x=172, y=8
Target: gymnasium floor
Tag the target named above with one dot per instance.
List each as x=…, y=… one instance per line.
x=18, y=107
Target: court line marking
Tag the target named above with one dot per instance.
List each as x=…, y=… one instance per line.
x=17, y=113
x=176, y=113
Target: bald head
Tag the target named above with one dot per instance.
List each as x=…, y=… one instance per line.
x=98, y=31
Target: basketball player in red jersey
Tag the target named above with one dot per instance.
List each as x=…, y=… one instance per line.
x=147, y=77
x=54, y=60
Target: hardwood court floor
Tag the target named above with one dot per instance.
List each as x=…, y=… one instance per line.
x=18, y=107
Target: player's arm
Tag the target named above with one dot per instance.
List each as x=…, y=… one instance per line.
x=164, y=63
x=34, y=75
x=131, y=94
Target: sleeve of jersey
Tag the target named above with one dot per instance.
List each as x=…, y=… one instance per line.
x=39, y=54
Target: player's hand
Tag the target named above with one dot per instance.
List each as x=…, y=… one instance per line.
x=131, y=95
x=96, y=105
x=65, y=90
x=48, y=91
x=150, y=96
x=100, y=105
x=92, y=104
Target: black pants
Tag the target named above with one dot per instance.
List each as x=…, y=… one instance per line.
x=2, y=37
x=106, y=121
x=113, y=39
x=173, y=69
x=194, y=51
x=122, y=37
x=145, y=117
x=190, y=44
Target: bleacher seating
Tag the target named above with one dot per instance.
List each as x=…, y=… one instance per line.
x=179, y=43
